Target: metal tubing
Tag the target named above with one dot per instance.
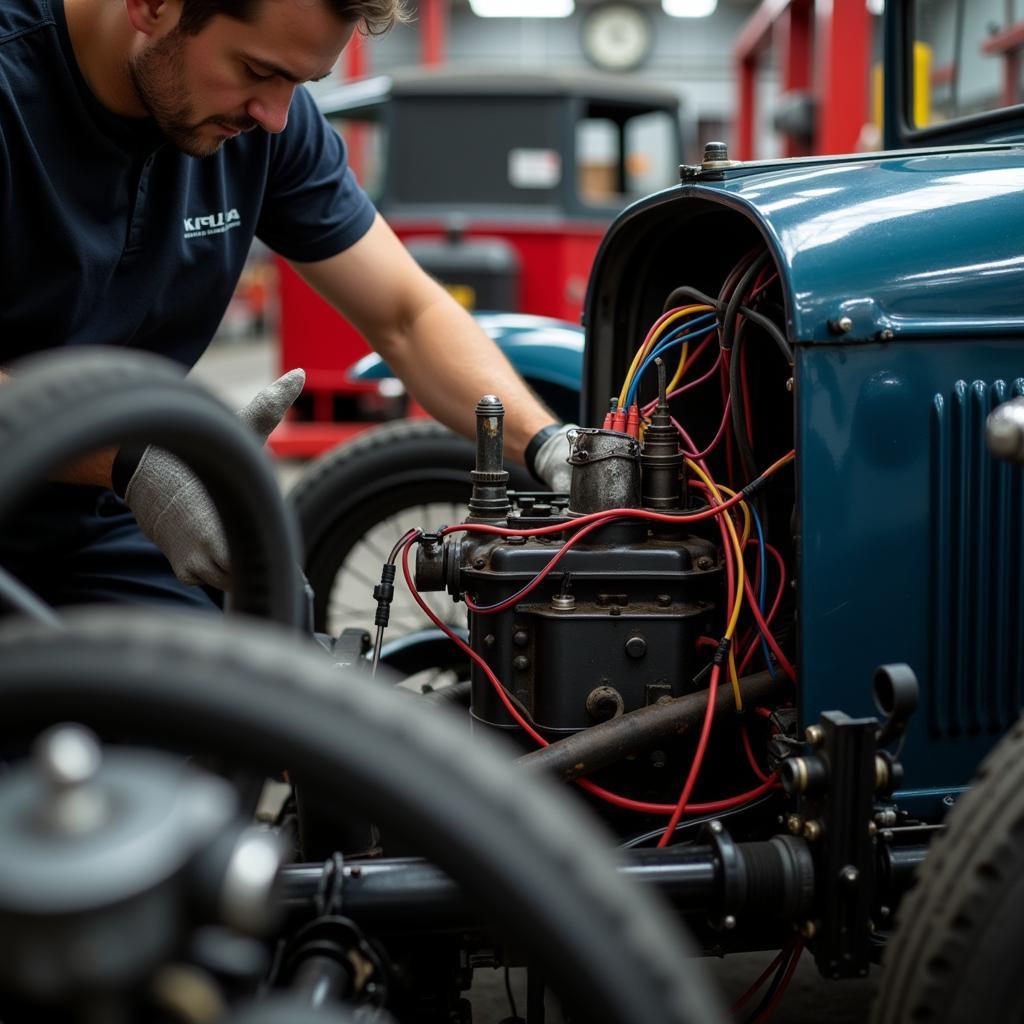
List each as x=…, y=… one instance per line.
x=321, y=981
x=408, y=893
x=604, y=744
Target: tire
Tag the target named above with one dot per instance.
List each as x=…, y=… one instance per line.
x=522, y=849
x=68, y=403
x=355, y=502
x=955, y=957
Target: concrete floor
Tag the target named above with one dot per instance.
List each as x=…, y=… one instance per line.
x=808, y=1000
x=235, y=371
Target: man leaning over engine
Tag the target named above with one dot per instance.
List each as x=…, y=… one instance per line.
x=143, y=144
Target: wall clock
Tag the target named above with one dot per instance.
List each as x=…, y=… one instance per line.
x=617, y=36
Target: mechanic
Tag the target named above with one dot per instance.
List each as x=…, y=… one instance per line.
x=143, y=144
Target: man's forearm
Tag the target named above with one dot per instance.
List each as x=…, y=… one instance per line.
x=447, y=362
x=93, y=469
x=430, y=342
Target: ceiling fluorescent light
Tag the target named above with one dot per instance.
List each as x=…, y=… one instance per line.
x=689, y=8
x=522, y=8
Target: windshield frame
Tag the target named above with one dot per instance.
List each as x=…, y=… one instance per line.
x=1003, y=125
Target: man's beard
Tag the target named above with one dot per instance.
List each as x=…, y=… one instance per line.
x=158, y=77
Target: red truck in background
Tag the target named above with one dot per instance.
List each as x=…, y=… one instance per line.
x=501, y=184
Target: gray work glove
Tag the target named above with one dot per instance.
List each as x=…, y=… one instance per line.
x=172, y=507
x=551, y=463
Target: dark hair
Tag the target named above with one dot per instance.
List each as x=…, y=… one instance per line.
x=375, y=17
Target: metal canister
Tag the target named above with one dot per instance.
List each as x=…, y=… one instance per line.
x=605, y=471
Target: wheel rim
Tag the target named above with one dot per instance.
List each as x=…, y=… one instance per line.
x=350, y=592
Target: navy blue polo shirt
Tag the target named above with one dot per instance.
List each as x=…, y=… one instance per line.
x=110, y=236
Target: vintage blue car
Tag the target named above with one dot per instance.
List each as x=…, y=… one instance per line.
x=862, y=315
x=771, y=637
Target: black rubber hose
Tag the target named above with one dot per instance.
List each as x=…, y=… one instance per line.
x=609, y=742
x=65, y=404
x=686, y=292
x=525, y=851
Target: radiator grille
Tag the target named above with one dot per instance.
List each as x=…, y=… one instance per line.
x=977, y=594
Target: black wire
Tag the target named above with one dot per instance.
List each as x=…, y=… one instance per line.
x=769, y=994
x=508, y=992
x=770, y=328
x=736, y=298
x=647, y=837
x=402, y=541
x=731, y=337
x=737, y=412
x=686, y=292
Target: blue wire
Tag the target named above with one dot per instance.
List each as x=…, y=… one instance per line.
x=674, y=338
x=764, y=582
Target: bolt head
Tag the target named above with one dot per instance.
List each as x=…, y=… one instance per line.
x=728, y=922
x=67, y=755
x=812, y=830
x=716, y=827
x=636, y=647
x=815, y=735
x=807, y=929
x=795, y=824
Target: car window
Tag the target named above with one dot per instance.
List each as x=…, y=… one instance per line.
x=966, y=59
x=619, y=161
x=484, y=150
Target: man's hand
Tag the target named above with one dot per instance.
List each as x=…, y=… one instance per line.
x=173, y=508
x=547, y=456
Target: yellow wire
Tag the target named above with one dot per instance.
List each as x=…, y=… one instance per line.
x=678, y=375
x=645, y=348
x=744, y=508
x=730, y=628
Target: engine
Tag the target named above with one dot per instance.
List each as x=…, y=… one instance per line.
x=663, y=574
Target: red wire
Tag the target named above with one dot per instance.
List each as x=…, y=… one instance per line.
x=730, y=467
x=780, y=590
x=650, y=406
x=714, y=807
x=698, y=760
x=588, y=523
x=745, y=390
x=786, y=664
x=619, y=801
x=758, y=981
x=751, y=759
x=697, y=456
x=781, y=991
x=700, y=380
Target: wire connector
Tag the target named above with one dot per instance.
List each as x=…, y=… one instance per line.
x=722, y=651
x=384, y=594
